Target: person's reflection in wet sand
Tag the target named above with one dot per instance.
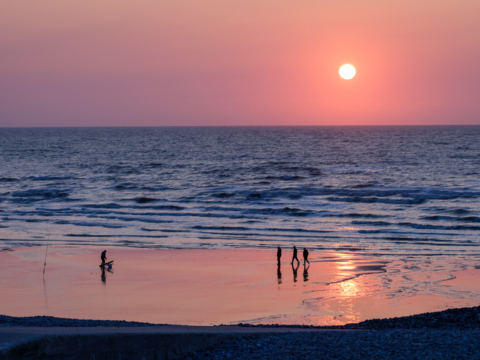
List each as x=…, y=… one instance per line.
x=279, y=274
x=295, y=272
x=305, y=272
x=103, y=277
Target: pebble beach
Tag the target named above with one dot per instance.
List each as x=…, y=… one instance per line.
x=449, y=334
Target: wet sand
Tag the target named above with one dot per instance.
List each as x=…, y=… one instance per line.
x=212, y=287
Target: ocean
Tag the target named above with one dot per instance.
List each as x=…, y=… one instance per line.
x=375, y=191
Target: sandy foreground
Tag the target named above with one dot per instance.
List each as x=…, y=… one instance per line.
x=212, y=287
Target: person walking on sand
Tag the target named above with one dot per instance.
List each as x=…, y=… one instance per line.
x=305, y=256
x=104, y=257
x=295, y=255
x=279, y=255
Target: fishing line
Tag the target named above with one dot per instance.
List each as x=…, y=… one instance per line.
x=45, y=262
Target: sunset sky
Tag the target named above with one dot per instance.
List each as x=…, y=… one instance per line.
x=238, y=62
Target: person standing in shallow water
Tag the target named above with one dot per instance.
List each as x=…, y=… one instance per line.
x=295, y=255
x=279, y=255
x=305, y=256
x=104, y=256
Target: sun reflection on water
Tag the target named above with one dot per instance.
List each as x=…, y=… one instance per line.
x=349, y=288
x=347, y=285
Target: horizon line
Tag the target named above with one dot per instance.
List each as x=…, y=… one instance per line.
x=231, y=126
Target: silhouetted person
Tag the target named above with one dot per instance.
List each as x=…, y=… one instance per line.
x=305, y=272
x=295, y=255
x=279, y=255
x=104, y=256
x=279, y=274
x=305, y=257
x=295, y=272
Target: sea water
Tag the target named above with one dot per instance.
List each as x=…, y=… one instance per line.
x=374, y=191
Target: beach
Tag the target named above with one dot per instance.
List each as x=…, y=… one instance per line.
x=213, y=287
x=449, y=334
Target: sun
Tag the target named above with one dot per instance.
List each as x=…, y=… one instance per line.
x=347, y=71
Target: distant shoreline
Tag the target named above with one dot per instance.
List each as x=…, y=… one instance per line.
x=467, y=318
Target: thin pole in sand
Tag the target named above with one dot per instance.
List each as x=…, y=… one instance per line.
x=45, y=262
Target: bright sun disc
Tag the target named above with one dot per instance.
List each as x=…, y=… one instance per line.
x=347, y=71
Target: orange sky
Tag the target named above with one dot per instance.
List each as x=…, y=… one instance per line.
x=238, y=62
